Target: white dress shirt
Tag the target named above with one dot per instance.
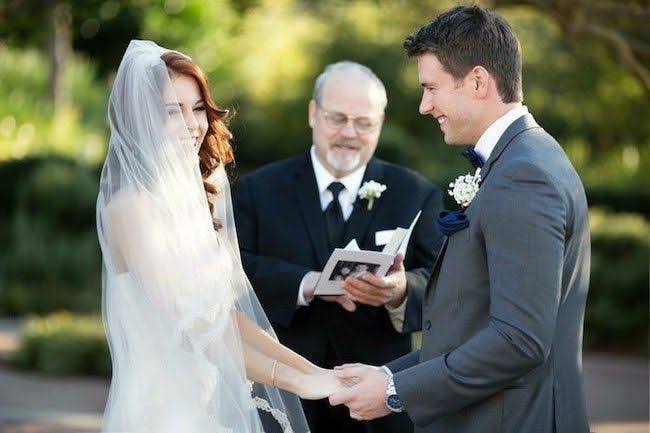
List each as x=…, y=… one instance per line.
x=347, y=197
x=491, y=136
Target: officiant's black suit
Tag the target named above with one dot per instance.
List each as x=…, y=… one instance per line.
x=282, y=236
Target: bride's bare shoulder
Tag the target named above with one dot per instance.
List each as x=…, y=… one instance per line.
x=127, y=205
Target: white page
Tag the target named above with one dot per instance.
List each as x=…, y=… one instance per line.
x=405, y=242
x=352, y=246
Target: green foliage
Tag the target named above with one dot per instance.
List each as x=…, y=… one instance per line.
x=27, y=124
x=44, y=271
x=621, y=199
x=62, y=193
x=617, y=306
x=50, y=258
x=61, y=344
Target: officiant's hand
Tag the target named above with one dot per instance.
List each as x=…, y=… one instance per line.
x=366, y=399
x=310, y=281
x=372, y=290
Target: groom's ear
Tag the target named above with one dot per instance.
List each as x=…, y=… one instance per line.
x=311, y=113
x=480, y=81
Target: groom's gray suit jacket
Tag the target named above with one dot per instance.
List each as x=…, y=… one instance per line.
x=504, y=308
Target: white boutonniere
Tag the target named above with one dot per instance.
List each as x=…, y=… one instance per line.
x=370, y=191
x=464, y=188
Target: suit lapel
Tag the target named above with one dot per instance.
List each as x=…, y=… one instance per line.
x=310, y=207
x=360, y=218
x=517, y=127
x=436, y=267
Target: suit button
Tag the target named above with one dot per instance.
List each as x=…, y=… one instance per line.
x=427, y=325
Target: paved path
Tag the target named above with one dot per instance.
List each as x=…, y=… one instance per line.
x=616, y=388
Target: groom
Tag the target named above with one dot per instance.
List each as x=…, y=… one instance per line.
x=290, y=215
x=503, y=310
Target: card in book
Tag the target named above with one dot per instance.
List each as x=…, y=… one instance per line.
x=352, y=261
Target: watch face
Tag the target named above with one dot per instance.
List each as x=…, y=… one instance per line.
x=394, y=402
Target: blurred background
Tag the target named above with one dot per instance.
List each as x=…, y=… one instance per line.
x=586, y=80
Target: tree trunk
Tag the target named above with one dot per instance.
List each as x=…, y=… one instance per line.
x=59, y=50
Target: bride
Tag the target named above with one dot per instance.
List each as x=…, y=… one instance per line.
x=191, y=347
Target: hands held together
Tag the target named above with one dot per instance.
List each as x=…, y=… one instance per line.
x=362, y=388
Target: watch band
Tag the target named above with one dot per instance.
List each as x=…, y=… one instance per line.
x=391, y=399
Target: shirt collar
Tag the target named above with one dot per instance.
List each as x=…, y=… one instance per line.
x=351, y=182
x=491, y=136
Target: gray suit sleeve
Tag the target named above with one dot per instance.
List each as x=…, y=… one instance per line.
x=522, y=219
x=406, y=361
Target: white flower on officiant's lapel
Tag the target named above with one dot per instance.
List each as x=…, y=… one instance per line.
x=371, y=190
x=464, y=188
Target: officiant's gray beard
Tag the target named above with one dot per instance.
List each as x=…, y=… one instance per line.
x=342, y=163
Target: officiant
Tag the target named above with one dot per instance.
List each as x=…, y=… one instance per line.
x=290, y=216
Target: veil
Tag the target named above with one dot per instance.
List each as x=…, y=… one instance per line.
x=172, y=285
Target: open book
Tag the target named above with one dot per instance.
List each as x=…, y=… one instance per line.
x=352, y=261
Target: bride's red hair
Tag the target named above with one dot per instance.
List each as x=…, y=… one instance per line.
x=216, y=148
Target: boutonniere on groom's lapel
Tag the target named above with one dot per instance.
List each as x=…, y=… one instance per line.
x=371, y=190
x=463, y=190
x=465, y=187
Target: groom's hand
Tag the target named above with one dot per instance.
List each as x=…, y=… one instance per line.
x=366, y=399
x=372, y=290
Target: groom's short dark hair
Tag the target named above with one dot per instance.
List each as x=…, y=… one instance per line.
x=469, y=36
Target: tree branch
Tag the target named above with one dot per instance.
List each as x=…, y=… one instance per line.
x=625, y=52
x=581, y=18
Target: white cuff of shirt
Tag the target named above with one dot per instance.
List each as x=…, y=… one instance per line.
x=396, y=315
x=302, y=301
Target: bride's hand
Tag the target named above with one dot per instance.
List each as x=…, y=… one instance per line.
x=318, y=384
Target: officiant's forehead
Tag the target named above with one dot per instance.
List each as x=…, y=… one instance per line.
x=352, y=92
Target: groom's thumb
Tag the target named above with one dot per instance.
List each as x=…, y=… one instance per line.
x=340, y=397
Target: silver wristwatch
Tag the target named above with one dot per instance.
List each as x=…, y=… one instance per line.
x=391, y=399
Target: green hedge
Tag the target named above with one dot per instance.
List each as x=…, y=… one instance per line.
x=617, y=306
x=627, y=200
x=49, y=254
x=45, y=270
x=63, y=344
x=60, y=191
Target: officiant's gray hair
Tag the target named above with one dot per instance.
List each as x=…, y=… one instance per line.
x=347, y=65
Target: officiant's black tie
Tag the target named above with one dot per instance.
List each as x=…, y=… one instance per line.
x=334, y=216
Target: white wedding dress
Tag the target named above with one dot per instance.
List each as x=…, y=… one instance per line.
x=172, y=285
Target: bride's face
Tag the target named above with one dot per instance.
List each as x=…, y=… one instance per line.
x=188, y=118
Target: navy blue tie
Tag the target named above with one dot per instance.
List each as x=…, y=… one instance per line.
x=473, y=157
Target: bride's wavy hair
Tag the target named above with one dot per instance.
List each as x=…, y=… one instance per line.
x=216, y=148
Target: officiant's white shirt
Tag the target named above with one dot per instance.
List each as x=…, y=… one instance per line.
x=347, y=197
x=489, y=139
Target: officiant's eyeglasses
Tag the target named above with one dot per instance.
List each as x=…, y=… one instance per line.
x=362, y=124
